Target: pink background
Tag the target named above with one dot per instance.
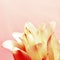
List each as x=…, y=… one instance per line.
x=14, y=14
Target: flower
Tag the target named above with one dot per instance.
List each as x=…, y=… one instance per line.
x=35, y=44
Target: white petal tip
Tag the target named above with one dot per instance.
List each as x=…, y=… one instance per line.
x=17, y=36
x=27, y=24
x=8, y=44
x=53, y=24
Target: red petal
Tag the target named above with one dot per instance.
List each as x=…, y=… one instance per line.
x=20, y=55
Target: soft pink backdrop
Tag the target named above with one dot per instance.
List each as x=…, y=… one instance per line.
x=14, y=14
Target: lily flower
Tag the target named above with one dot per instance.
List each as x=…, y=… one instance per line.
x=35, y=44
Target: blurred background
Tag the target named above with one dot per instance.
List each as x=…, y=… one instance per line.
x=15, y=13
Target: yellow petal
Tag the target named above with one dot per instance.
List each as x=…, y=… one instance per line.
x=55, y=47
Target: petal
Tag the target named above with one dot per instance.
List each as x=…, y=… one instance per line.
x=20, y=54
x=45, y=33
x=53, y=24
x=53, y=49
x=31, y=33
x=17, y=53
x=30, y=27
x=10, y=44
x=56, y=47
x=50, y=49
x=16, y=36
